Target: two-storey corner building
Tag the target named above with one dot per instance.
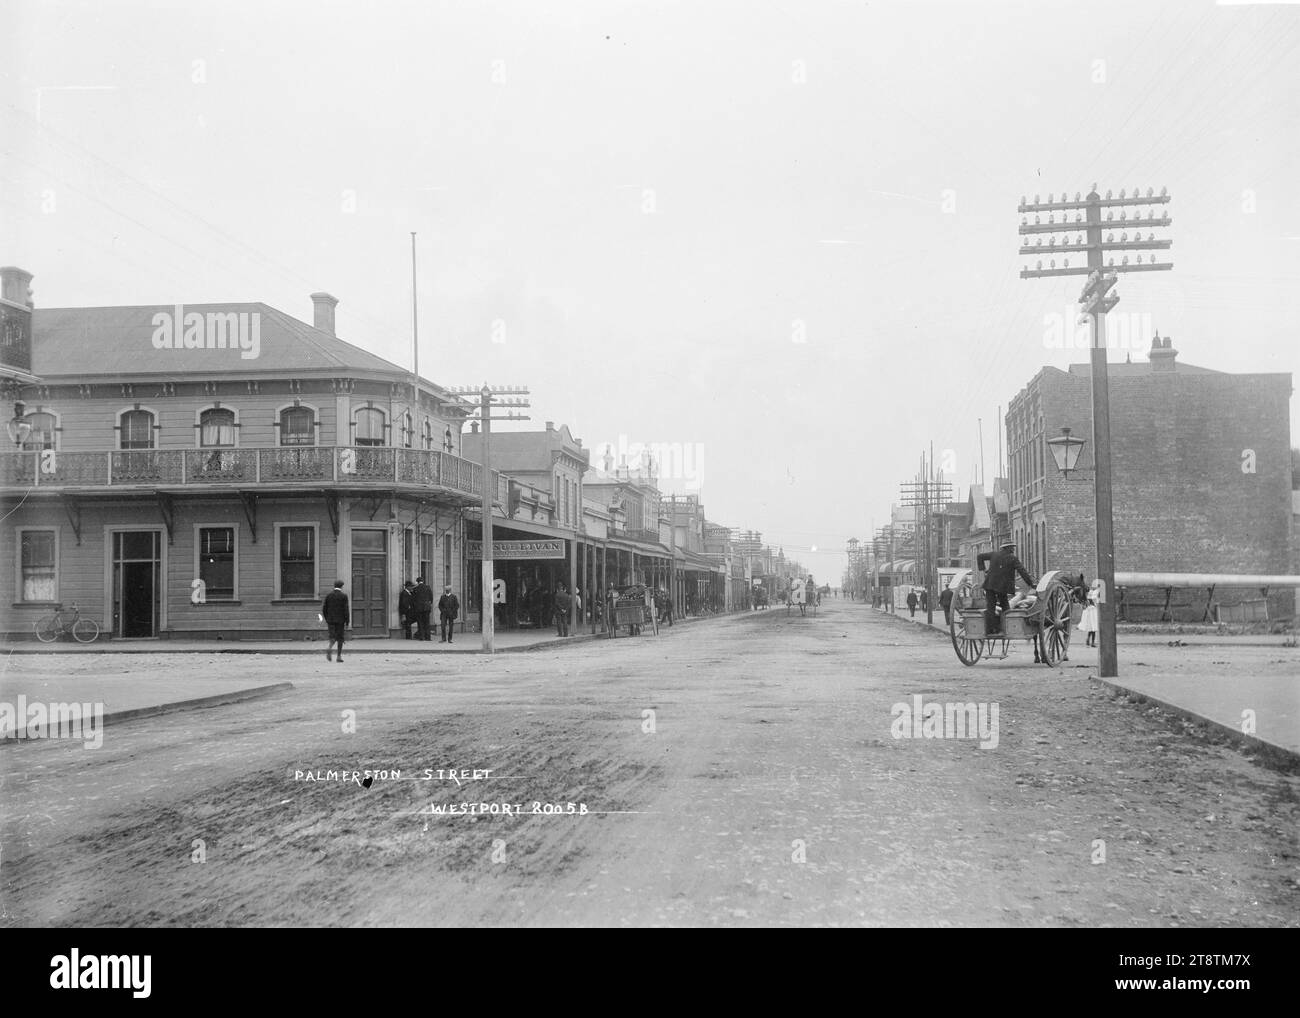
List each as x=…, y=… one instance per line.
x=211, y=470
x=1201, y=475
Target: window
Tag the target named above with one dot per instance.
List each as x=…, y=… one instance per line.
x=297, y=561
x=446, y=440
x=136, y=430
x=428, y=434
x=427, y=543
x=43, y=429
x=217, y=562
x=408, y=430
x=297, y=426
x=446, y=560
x=38, y=564
x=217, y=428
x=370, y=426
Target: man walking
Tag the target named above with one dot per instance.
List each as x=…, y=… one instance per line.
x=911, y=602
x=336, y=613
x=999, y=581
x=945, y=602
x=422, y=602
x=405, y=611
x=448, y=609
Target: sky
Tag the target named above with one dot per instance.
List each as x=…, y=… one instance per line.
x=776, y=242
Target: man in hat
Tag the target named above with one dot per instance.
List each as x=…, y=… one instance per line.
x=448, y=609
x=405, y=611
x=337, y=615
x=999, y=581
x=422, y=603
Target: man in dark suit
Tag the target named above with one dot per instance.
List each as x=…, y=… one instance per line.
x=422, y=602
x=405, y=611
x=945, y=602
x=336, y=613
x=999, y=581
x=448, y=609
x=563, y=603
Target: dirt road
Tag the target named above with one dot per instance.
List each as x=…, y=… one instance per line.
x=744, y=771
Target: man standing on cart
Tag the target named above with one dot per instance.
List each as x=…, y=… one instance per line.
x=999, y=581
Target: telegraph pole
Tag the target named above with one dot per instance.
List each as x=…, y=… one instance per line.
x=512, y=396
x=1095, y=301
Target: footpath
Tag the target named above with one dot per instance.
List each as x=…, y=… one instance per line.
x=31, y=669
x=1214, y=700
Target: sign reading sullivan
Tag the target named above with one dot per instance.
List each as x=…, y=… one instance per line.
x=520, y=549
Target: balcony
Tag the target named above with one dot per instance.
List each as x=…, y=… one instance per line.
x=267, y=468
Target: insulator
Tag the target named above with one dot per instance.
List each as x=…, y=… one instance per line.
x=1108, y=193
x=1124, y=260
x=1036, y=219
x=1076, y=196
x=1022, y=200
x=1049, y=198
x=1121, y=192
x=1164, y=192
x=1123, y=238
x=1038, y=242
x=1110, y=216
x=1067, y=263
x=1051, y=242
x=1110, y=238
x=1039, y=265
x=1036, y=201
x=1150, y=192
x=1053, y=263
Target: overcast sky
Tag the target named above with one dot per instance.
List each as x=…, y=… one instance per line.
x=779, y=238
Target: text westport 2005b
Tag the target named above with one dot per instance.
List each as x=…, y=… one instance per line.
x=507, y=809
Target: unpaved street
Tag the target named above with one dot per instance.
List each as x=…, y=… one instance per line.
x=741, y=771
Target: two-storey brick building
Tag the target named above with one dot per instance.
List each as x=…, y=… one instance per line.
x=210, y=470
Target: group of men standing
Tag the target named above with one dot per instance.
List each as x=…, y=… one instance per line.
x=415, y=608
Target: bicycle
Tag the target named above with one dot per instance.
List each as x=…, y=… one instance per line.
x=51, y=627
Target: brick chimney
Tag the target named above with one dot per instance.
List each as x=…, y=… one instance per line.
x=324, y=316
x=1162, y=354
x=550, y=425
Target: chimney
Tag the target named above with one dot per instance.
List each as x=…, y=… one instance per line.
x=15, y=286
x=473, y=427
x=1162, y=354
x=324, y=316
x=550, y=425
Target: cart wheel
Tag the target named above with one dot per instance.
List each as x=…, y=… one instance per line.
x=968, y=651
x=1056, y=626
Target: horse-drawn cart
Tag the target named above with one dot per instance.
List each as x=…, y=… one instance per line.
x=632, y=608
x=1046, y=623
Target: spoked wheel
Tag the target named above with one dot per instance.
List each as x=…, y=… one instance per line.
x=47, y=629
x=968, y=651
x=85, y=630
x=1056, y=626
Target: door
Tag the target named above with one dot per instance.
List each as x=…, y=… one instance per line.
x=369, y=583
x=137, y=583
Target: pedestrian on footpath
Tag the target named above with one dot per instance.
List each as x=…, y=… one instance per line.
x=925, y=600
x=945, y=602
x=563, y=602
x=448, y=609
x=405, y=613
x=1088, y=621
x=337, y=614
x=911, y=602
x=422, y=602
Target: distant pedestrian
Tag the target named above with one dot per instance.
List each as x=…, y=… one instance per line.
x=405, y=612
x=448, y=609
x=945, y=602
x=337, y=614
x=422, y=602
x=925, y=600
x=911, y=602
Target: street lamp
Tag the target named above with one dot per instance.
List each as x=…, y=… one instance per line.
x=1065, y=450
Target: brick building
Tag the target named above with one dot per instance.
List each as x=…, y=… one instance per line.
x=1201, y=474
